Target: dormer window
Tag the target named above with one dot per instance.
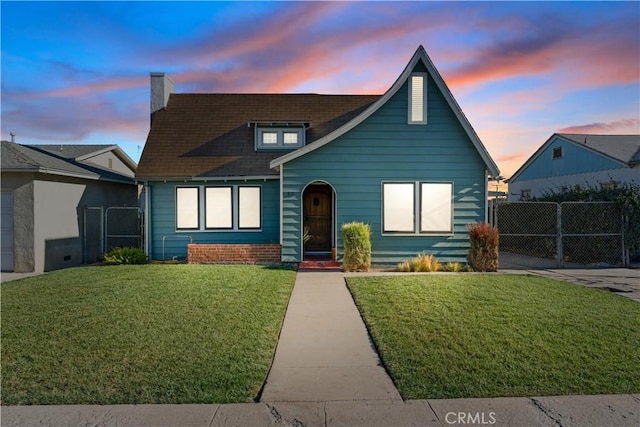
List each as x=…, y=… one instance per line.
x=279, y=136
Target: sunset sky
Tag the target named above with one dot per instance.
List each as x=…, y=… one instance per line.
x=78, y=72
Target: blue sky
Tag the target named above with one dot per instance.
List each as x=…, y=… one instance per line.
x=78, y=72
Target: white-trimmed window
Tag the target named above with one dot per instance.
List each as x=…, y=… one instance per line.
x=279, y=138
x=187, y=208
x=225, y=208
x=218, y=207
x=414, y=208
x=249, y=207
x=398, y=207
x=417, y=109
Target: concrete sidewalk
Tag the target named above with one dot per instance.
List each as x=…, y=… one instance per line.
x=567, y=411
x=324, y=352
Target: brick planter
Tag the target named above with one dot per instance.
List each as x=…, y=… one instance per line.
x=233, y=253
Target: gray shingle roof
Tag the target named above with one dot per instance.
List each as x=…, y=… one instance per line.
x=71, y=151
x=21, y=158
x=624, y=148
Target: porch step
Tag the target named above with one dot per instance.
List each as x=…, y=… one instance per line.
x=324, y=265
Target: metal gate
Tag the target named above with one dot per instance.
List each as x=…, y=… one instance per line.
x=560, y=235
x=105, y=229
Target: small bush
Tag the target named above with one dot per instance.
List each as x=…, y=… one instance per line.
x=427, y=263
x=404, y=267
x=424, y=263
x=453, y=267
x=118, y=256
x=357, y=246
x=483, y=253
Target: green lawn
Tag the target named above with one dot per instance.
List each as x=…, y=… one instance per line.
x=468, y=335
x=141, y=334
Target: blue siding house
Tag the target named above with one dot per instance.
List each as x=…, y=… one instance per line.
x=585, y=160
x=246, y=177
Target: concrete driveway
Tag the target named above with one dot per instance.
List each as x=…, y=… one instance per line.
x=9, y=277
x=622, y=281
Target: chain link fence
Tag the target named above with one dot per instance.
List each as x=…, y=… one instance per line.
x=105, y=229
x=560, y=235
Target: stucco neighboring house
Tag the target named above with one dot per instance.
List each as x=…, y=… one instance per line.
x=569, y=160
x=244, y=176
x=44, y=191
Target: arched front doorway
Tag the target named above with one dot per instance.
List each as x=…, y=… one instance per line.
x=318, y=220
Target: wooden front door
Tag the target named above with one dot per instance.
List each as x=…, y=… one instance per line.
x=318, y=217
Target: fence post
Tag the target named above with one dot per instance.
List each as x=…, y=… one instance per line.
x=559, y=256
x=625, y=251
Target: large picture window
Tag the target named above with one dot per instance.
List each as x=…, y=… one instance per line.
x=399, y=207
x=224, y=208
x=436, y=208
x=219, y=207
x=187, y=209
x=414, y=208
x=249, y=207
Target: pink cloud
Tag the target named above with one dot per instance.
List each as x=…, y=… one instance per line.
x=631, y=126
x=111, y=84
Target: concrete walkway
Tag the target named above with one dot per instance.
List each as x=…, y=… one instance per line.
x=324, y=352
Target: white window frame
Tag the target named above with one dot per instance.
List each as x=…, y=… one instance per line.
x=410, y=106
x=418, y=220
x=227, y=215
x=280, y=132
x=393, y=208
x=241, y=208
x=178, y=203
x=235, y=207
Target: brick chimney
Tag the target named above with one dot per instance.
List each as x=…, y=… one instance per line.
x=161, y=87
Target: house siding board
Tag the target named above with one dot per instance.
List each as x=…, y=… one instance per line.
x=163, y=219
x=575, y=160
x=385, y=148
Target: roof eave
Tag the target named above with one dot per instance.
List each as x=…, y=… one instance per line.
x=118, y=152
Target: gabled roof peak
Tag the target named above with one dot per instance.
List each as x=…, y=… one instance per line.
x=419, y=56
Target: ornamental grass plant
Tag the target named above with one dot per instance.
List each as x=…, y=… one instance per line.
x=357, y=246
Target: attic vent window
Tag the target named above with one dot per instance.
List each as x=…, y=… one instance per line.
x=268, y=137
x=557, y=153
x=418, y=99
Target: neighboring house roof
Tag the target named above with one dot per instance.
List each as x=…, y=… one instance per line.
x=209, y=135
x=22, y=158
x=81, y=152
x=624, y=149
x=419, y=56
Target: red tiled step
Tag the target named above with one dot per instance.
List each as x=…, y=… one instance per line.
x=319, y=265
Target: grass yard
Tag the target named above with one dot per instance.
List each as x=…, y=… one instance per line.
x=471, y=335
x=141, y=334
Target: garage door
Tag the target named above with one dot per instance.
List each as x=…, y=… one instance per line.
x=6, y=223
